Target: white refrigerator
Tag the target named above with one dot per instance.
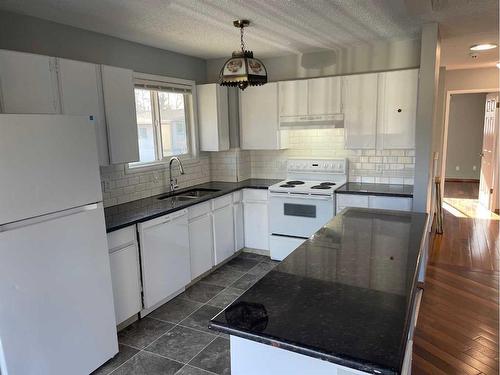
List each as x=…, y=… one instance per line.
x=56, y=302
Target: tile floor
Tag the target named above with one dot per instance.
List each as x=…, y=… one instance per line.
x=175, y=339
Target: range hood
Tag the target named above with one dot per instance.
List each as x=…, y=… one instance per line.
x=312, y=121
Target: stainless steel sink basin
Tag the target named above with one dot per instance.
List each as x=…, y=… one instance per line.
x=189, y=194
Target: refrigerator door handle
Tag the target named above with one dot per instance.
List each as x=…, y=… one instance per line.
x=49, y=217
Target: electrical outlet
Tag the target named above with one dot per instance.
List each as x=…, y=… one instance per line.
x=457, y=168
x=474, y=167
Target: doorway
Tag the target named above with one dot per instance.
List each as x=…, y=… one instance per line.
x=471, y=168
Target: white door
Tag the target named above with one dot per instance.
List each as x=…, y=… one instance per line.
x=223, y=233
x=125, y=276
x=239, y=229
x=119, y=105
x=165, y=257
x=81, y=94
x=201, y=245
x=324, y=95
x=28, y=83
x=360, y=110
x=293, y=98
x=256, y=225
x=488, y=154
x=259, y=124
x=55, y=275
x=48, y=163
x=398, y=108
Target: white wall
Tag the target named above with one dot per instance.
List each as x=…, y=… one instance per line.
x=465, y=136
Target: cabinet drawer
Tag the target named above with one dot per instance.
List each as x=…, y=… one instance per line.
x=391, y=203
x=198, y=210
x=237, y=196
x=222, y=201
x=348, y=200
x=255, y=195
x=120, y=238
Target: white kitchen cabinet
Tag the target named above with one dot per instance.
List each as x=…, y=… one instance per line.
x=200, y=239
x=28, y=83
x=359, y=93
x=293, y=98
x=256, y=220
x=213, y=117
x=165, y=258
x=373, y=201
x=119, y=105
x=259, y=122
x=125, y=273
x=238, y=216
x=397, y=108
x=223, y=221
x=324, y=96
x=80, y=91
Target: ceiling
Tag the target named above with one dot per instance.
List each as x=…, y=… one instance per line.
x=203, y=28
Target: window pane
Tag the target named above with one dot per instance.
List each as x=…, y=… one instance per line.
x=145, y=125
x=174, y=138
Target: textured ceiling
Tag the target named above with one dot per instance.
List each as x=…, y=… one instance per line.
x=203, y=28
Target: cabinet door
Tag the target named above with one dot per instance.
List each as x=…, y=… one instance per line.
x=223, y=233
x=165, y=258
x=259, y=125
x=125, y=278
x=256, y=225
x=391, y=203
x=119, y=105
x=213, y=117
x=398, y=108
x=293, y=98
x=201, y=245
x=81, y=94
x=324, y=95
x=28, y=83
x=239, y=230
x=360, y=110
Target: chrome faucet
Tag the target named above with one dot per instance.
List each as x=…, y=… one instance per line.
x=173, y=181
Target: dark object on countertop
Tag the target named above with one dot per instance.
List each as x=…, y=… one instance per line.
x=247, y=316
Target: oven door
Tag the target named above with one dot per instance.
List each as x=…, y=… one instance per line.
x=299, y=215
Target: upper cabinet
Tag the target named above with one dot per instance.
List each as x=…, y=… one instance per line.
x=81, y=94
x=213, y=118
x=360, y=110
x=324, y=96
x=28, y=83
x=293, y=98
x=259, y=123
x=119, y=105
x=397, y=108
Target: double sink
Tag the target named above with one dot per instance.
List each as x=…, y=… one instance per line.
x=189, y=194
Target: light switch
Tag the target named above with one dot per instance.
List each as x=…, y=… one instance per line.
x=457, y=168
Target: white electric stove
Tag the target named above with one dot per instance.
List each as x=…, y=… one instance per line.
x=303, y=203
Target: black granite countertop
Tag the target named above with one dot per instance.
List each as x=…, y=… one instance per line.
x=394, y=190
x=345, y=295
x=123, y=215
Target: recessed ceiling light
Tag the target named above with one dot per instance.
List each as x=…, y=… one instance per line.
x=483, y=47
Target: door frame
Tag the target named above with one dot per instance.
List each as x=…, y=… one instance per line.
x=444, y=145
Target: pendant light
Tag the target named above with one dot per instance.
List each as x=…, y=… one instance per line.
x=242, y=69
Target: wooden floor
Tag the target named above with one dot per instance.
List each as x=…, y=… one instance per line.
x=457, y=330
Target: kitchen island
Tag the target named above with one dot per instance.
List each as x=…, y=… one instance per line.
x=344, y=302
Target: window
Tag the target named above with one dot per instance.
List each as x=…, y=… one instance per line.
x=163, y=122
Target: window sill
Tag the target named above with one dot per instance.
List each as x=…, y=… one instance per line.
x=156, y=165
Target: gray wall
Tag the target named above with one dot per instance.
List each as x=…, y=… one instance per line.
x=30, y=34
x=465, y=135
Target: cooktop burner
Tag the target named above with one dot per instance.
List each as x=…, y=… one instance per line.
x=321, y=187
x=295, y=182
x=328, y=184
x=287, y=185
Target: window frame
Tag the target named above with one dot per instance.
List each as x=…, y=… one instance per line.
x=190, y=105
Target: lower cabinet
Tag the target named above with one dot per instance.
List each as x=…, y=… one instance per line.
x=373, y=201
x=256, y=222
x=165, y=257
x=222, y=220
x=125, y=274
x=200, y=239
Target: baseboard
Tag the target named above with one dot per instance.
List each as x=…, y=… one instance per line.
x=461, y=180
